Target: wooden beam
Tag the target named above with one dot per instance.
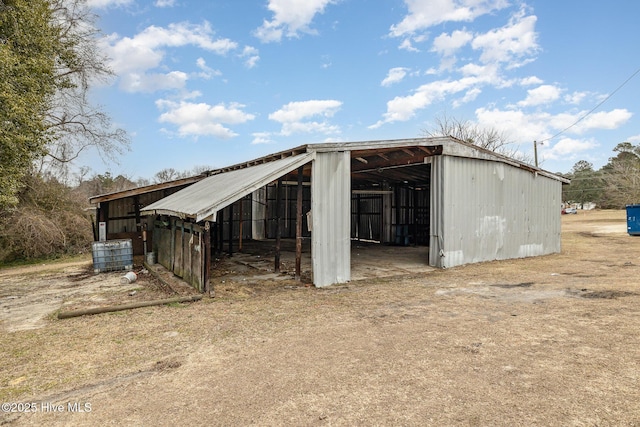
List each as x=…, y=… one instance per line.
x=379, y=164
x=206, y=273
x=111, y=308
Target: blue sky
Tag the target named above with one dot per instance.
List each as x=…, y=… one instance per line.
x=213, y=83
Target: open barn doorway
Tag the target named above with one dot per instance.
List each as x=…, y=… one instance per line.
x=390, y=212
x=390, y=208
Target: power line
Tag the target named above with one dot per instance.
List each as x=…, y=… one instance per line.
x=593, y=109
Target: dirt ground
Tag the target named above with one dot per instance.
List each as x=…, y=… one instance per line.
x=549, y=341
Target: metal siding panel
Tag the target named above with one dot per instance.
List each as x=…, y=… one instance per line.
x=331, y=218
x=495, y=211
x=438, y=212
x=206, y=197
x=259, y=213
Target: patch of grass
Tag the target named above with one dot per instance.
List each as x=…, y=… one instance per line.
x=46, y=260
x=176, y=304
x=6, y=394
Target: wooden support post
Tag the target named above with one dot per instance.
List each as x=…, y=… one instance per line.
x=358, y=216
x=182, y=267
x=136, y=208
x=231, y=230
x=172, y=259
x=214, y=238
x=207, y=258
x=299, y=226
x=278, y=231
x=112, y=308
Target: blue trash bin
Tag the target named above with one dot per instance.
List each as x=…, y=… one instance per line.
x=633, y=220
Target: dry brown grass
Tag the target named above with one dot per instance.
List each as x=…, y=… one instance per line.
x=548, y=341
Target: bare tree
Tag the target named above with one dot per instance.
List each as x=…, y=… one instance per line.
x=622, y=176
x=167, y=174
x=170, y=174
x=75, y=124
x=472, y=133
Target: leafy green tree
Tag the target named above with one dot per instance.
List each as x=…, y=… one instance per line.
x=27, y=67
x=48, y=59
x=586, y=184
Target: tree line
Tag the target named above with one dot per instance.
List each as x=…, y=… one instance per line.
x=613, y=186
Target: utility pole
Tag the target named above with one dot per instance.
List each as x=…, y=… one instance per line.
x=535, y=151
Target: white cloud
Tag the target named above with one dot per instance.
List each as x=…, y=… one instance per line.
x=290, y=17
x=469, y=96
x=294, y=116
x=543, y=94
x=488, y=72
x=567, y=149
x=575, y=97
x=133, y=57
x=262, y=138
x=104, y=4
x=165, y=3
x=526, y=128
x=403, y=108
x=530, y=81
x=521, y=127
x=633, y=139
x=395, y=75
x=497, y=50
x=326, y=62
x=448, y=44
x=201, y=119
x=151, y=82
x=251, y=56
x=604, y=120
x=424, y=14
x=408, y=46
x=514, y=44
x=206, y=72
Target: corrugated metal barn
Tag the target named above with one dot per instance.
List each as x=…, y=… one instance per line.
x=465, y=203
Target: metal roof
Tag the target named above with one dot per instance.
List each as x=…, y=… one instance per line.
x=369, y=159
x=146, y=189
x=205, y=198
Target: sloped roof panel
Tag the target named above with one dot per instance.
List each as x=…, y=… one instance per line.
x=203, y=199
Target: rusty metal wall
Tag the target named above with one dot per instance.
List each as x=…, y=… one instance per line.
x=485, y=210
